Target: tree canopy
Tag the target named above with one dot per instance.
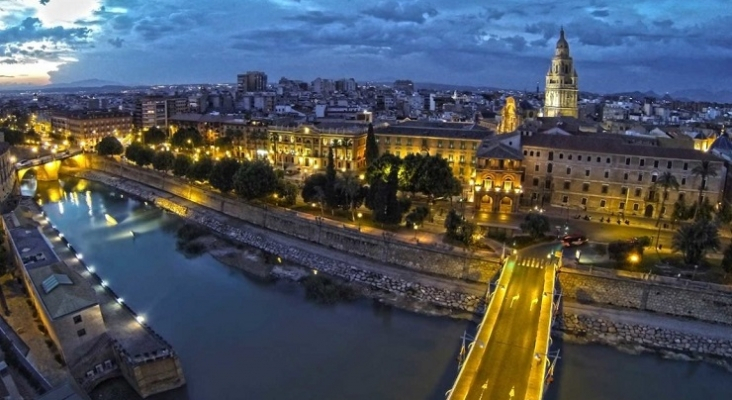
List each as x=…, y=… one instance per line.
x=187, y=137
x=255, y=180
x=201, y=169
x=182, y=164
x=154, y=136
x=536, y=225
x=163, y=160
x=140, y=154
x=110, y=146
x=372, y=148
x=222, y=174
x=694, y=240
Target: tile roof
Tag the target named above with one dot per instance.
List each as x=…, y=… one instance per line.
x=613, y=144
x=436, y=129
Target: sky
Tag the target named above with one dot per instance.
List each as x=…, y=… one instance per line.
x=618, y=45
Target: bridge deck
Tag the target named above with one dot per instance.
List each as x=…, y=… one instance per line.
x=505, y=361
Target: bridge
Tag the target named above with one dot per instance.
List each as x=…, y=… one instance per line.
x=509, y=358
x=46, y=167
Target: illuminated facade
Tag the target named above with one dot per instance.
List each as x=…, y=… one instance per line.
x=91, y=126
x=560, y=98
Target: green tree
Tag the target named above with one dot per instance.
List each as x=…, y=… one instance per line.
x=409, y=172
x=383, y=202
x=154, y=136
x=12, y=136
x=286, y=193
x=201, y=169
x=330, y=174
x=724, y=215
x=704, y=170
x=255, y=180
x=680, y=212
x=187, y=138
x=312, y=185
x=133, y=151
x=140, y=154
x=372, y=148
x=348, y=188
x=435, y=178
x=110, y=146
x=417, y=216
x=694, y=240
x=666, y=181
x=182, y=165
x=222, y=174
x=163, y=160
x=705, y=212
x=460, y=229
x=536, y=225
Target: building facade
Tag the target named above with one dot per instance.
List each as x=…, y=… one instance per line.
x=157, y=111
x=497, y=186
x=7, y=172
x=89, y=127
x=613, y=174
x=252, y=81
x=560, y=98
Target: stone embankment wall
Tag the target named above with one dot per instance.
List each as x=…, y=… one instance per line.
x=438, y=259
x=706, y=305
x=603, y=331
x=416, y=291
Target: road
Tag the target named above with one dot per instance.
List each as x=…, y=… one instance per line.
x=504, y=370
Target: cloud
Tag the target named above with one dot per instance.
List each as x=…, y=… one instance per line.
x=317, y=17
x=116, y=42
x=7, y=76
x=31, y=29
x=406, y=11
x=600, y=13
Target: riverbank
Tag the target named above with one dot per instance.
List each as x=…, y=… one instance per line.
x=642, y=332
x=408, y=290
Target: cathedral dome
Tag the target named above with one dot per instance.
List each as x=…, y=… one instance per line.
x=562, y=45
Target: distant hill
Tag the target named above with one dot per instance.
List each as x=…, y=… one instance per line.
x=84, y=83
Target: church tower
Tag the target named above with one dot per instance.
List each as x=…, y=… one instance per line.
x=560, y=97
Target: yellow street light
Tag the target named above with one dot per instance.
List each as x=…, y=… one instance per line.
x=634, y=258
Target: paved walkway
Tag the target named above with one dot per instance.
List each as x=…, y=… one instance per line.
x=635, y=317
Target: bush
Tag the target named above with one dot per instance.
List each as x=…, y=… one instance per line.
x=323, y=290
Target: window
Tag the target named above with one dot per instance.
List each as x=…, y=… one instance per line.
x=605, y=188
x=551, y=155
x=538, y=154
x=683, y=181
x=599, y=159
x=663, y=210
x=398, y=141
x=536, y=168
x=623, y=190
x=409, y=142
x=567, y=185
x=608, y=160
x=531, y=153
x=474, y=146
x=627, y=160
x=579, y=158
x=81, y=332
x=636, y=206
x=565, y=199
x=686, y=166
x=536, y=181
x=655, y=164
x=621, y=206
x=587, y=172
x=424, y=143
x=642, y=162
x=602, y=203
x=681, y=197
x=638, y=192
x=625, y=176
x=584, y=201
x=669, y=165
x=561, y=156
x=439, y=144
x=547, y=184
x=607, y=174
x=569, y=170
x=654, y=178
x=569, y=157
x=462, y=145
x=451, y=144
x=388, y=140
x=77, y=319
x=585, y=187
x=549, y=168
x=640, y=177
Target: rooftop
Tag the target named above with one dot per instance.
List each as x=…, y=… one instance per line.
x=613, y=144
x=457, y=130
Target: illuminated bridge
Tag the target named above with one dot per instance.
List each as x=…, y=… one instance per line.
x=509, y=358
x=46, y=167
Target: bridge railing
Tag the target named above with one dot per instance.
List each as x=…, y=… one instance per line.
x=537, y=376
x=472, y=361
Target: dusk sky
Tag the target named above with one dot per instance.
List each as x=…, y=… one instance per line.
x=619, y=45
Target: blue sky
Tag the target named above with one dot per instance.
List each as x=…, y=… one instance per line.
x=618, y=45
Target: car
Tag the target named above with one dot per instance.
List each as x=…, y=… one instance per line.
x=573, y=240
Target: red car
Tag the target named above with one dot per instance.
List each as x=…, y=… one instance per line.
x=573, y=240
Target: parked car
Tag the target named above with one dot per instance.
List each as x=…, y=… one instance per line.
x=573, y=240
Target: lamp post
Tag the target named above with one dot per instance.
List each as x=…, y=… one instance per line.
x=359, y=216
x=415, y=231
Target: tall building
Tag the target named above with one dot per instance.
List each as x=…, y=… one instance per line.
x=156, y=111
x=252, y=81
x=560, y=99
x=89, y=127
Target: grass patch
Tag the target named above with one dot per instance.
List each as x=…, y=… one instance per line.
x=324, y=290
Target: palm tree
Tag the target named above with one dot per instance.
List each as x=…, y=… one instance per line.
x=695, y=240
x=704, y=170
x=350, y=186
x=666, y=181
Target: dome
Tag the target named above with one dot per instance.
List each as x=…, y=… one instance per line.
x=562, y=45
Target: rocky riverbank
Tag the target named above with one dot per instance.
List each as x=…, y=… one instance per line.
x=637, y=338
x=390, y=290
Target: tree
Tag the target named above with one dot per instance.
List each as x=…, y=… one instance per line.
x=694, y=240
x=727, y=260
x=536, y=225
x=703, y=170
x=187, y=137
x=348, y=187
x=372, y=148
x=724, y=215
x=460, y=229
x=140, y=154
x=409, y=172
x=201, y=169
x=384, y=203
x=154, y=136
x=222, y=174
x=330, y=175
x=681, y=211
x=255, y=180
x=182, y=165
x=435, y=178
x=12, y=136
x=163, y=160
x=666, y=181
x=133, y=151
x=286, y=193
x=705, y=211
x=417, y=216
x=110, y=146
x=310, y=187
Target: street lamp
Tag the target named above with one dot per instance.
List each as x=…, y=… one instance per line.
x=634, y=258
x=359, y=216
x=415, y=231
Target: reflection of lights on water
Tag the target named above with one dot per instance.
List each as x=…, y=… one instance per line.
x=110, y=219
x=61, y=208
x=89, y=200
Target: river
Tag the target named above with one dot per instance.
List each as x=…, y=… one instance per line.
x=239, y=338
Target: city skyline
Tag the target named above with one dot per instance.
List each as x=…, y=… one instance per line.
x=622, y=46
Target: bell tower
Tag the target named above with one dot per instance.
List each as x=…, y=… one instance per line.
x=560, y=97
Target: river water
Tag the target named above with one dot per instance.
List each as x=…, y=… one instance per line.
x=241, y=339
